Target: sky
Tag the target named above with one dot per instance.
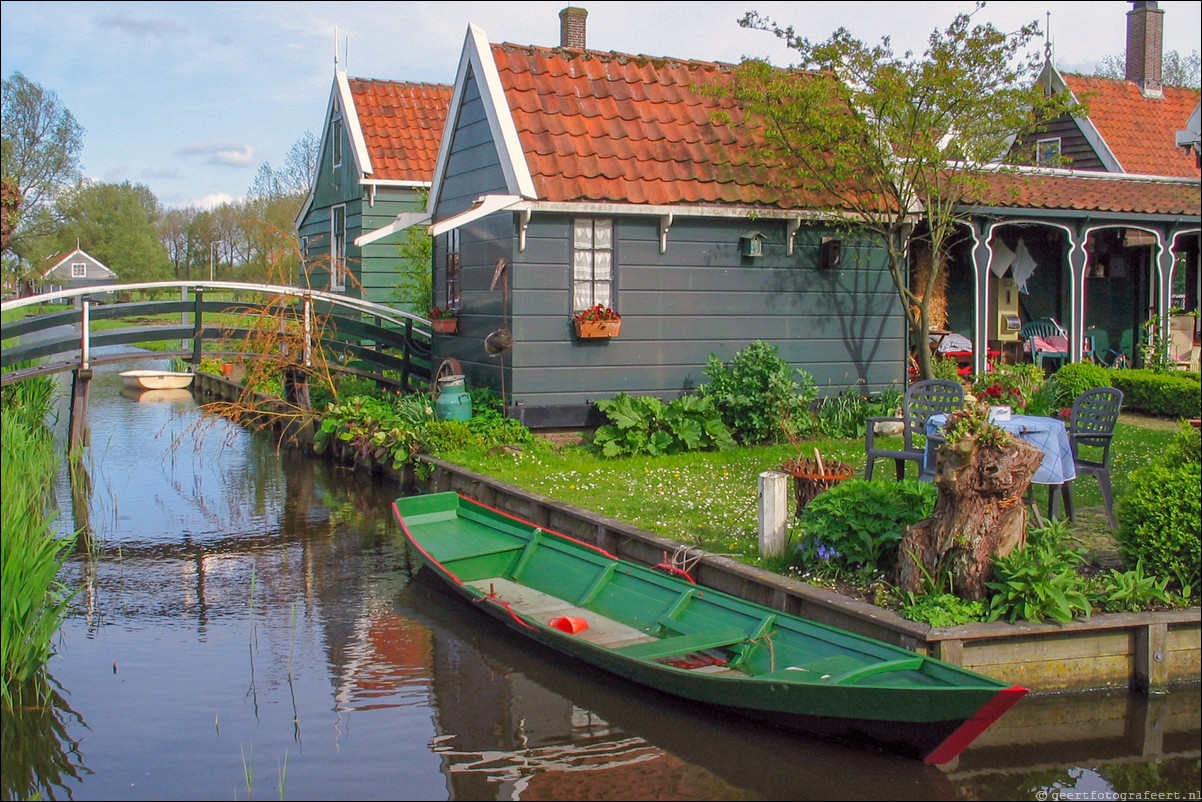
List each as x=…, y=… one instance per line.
x=190, y=98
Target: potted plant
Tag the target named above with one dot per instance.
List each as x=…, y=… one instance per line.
x=597, y=321
x=443, y=321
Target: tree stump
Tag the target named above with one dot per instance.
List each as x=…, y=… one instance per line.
x=982, y=478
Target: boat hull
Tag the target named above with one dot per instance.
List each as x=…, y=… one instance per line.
x=879, y=695
x=156, y=379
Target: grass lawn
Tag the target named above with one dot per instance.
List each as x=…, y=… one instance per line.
x=709, y=499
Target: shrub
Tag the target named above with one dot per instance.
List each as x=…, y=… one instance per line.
x=757, y=393
x=945, y=367
x=1158, y=520
x=859, y=523
x=646, y=425
x=1075, y=378
x=1168, y=394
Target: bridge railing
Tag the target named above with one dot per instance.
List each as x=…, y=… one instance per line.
x=357, y=333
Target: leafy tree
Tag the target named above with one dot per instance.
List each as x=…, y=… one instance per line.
x=116, y=223
x=890, y=139
x=41, y=146
x=1176, y=69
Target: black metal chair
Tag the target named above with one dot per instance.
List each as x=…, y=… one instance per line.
x=922, y=400
x=1091, y=425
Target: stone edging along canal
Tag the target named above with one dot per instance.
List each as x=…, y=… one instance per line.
x=1145, y=651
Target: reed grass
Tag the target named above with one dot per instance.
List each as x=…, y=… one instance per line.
x=34, y=602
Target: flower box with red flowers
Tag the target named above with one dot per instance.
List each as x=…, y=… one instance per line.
x=597, y=321
x=443, y=321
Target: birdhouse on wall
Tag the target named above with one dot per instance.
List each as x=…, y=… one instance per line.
x=752, y=244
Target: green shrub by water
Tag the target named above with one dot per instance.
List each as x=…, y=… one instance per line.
x=858, y=524
x=1158, y=519
x=33, y=602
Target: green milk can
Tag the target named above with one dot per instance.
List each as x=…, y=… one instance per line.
x=453, y=402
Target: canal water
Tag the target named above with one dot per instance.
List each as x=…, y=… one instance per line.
x=249, y=626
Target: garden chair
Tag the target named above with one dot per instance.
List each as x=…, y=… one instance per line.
x=1045, y=339
x=1099, y=347
x=1091, y=424
x=923, y=399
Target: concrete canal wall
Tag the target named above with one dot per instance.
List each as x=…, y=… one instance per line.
x=1146, y=651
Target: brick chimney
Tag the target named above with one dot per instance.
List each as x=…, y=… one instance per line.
x=571, y=27
x=1145, y=47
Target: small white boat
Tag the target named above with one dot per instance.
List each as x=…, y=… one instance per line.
x=156, y=379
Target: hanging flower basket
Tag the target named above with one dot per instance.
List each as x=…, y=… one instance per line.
x=597, y=321
x=813, y=476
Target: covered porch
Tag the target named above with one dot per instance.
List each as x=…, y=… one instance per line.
x=1103, y=271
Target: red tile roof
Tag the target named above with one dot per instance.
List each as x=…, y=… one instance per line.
x=1096, y=192
x=1140, y=131
x=612, y=127
x=402, y=125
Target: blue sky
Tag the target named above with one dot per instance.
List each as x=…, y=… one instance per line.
x=190, y=98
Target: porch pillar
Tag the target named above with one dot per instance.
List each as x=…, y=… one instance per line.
x=981, y=253
x=1164, y=271
x=1078, y=239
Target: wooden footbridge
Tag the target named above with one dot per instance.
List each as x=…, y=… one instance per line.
x=235, y=319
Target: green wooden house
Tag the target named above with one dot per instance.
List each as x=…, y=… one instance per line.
x=569, y=177
x=378, y=149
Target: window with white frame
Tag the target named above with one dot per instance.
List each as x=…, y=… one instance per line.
x=336, y=138
x=79, y=270
x=592, y=263
x=1047, y=152
x=338, y=248
x=454, y=267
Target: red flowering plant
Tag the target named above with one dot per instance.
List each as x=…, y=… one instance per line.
x=597, y=312
x=1010, y=385
x=438, y=313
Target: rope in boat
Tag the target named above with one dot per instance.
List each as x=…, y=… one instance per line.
x=493, y=597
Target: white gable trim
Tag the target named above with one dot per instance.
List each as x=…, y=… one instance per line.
x=350, y=119
x=476, y=59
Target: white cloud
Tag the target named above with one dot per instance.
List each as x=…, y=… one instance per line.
x=212, y=201
x=225, y=154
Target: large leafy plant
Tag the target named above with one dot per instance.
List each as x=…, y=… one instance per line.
x=1040, y=581
x=646, y=425
x=757, y=392
x=859, y=524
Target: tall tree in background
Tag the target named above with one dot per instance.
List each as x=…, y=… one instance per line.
x=41, y=146
x=1176, y=69
x=116, y=223
x=892, y=139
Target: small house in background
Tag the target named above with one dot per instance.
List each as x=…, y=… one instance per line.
x=69, y=271
x=570, y=178
x=378, y=148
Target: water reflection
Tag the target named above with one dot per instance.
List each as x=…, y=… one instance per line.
x=38, y=757
x=251, y=607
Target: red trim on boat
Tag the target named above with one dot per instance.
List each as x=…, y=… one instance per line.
x=967, y=732
x=672, y=569
x=543, y=528
x=416, y=545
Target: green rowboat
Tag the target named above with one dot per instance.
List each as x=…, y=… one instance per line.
x=663, y=632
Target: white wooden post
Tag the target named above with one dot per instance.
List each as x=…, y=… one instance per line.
x=774, y=512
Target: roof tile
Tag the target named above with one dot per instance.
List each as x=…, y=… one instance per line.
x=402, y=125
x=1141, y=131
